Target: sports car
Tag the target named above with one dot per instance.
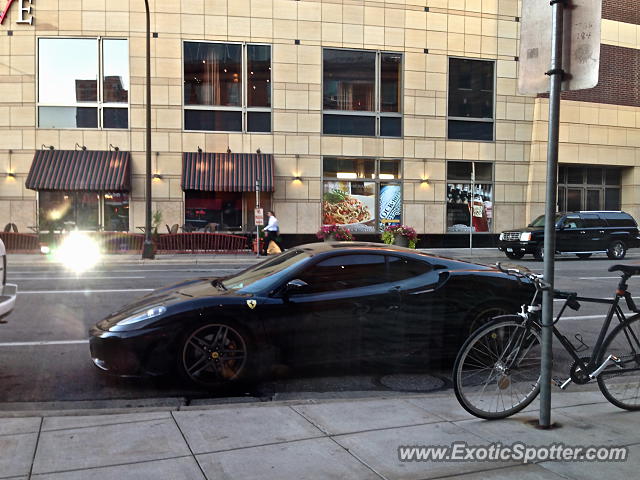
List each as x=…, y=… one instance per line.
x=335, y=304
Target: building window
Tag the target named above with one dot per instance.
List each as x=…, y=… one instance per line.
x=471, y=99
x=83, y=83
x=92, y=211
x=361, y=194
x=361, y=93
x=588, y=188
x=227, y=87
x=469, y=196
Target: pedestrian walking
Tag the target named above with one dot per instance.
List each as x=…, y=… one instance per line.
x=271, y=232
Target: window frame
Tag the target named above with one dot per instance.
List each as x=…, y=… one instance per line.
x=472, y=119
x=475, y=182
x=244, y=109
x=378, y=113
x=99, y=104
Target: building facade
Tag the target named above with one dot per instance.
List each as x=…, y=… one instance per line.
x=361, y=113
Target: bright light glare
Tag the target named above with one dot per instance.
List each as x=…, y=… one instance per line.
x=44, y=249
x=78, y=252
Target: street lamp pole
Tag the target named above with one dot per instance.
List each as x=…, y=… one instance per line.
x=147, y=251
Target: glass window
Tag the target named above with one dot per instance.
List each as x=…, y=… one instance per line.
x=71, y=94
x=345, y=272
x=583, y=187
x=59, y=210
x=471, y=99
x=366, y=82
x=594, y=175
x=572, y=222
x=469, y=203
x=591, y=220
x=224, y=209
x=361, y=194
x=222, y=91
x=403, y=268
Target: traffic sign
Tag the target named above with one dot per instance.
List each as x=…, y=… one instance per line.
x=259, y=216
x=581, y=45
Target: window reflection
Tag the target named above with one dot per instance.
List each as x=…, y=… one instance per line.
x=59, y=210
x=116, y=71
x=259, y=76
x=349, y=80
x=213, y=74
x=62, y=78
x=390, y=64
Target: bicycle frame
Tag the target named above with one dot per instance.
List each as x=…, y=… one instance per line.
x=613, y=310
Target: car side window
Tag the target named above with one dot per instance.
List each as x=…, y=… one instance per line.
x=344, y=272
x=572, y=222
x=403, y=268
x=591, y=220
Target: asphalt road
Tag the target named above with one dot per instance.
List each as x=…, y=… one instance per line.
x=44, y=356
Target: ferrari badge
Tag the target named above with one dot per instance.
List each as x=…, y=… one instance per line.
x=252, y=304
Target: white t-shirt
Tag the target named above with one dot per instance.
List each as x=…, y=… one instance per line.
x=273, y=225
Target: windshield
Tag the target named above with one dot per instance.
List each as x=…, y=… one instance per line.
x=265, y=274
x=539, y=222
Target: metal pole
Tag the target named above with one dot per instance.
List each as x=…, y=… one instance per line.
x=555, y=74
x=257, y=227
x=147, y=251
x=473, y=181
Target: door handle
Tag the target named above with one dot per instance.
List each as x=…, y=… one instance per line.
x=601, y=231
x=582, y=231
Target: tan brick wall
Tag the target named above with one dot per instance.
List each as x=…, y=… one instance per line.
x=472, y=28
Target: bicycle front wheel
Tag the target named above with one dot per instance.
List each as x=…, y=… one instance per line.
x=497, y=371
x=619, y=382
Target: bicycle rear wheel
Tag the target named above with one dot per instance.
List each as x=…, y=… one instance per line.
x=620, y=382
x=497, y=371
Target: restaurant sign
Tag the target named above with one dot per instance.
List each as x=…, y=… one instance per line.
x=24, y=15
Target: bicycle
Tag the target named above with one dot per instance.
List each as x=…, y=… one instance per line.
x=497, y=370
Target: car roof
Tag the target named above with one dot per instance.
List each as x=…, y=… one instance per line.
x=321, y=247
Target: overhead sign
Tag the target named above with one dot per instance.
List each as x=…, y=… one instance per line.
x=581, y=45
x=259, y=216
x=24, y=11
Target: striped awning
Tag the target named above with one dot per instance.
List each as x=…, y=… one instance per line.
x=80, y=170
x=227, y=172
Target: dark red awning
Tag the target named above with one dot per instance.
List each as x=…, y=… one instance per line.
x=227, y=172
x=80, y=170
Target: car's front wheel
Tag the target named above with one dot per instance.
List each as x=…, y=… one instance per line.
x=515, y=255
x=215, y=354
x=617, y=250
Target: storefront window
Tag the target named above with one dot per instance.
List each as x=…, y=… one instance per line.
x=217, y=211
x=469, y=197
x=362, y=195
x=471, y=99
x=72, y=93
x=361, y=93
x=83, y=211
x=223, y=91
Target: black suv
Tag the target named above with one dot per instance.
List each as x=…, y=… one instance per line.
x=579, y=233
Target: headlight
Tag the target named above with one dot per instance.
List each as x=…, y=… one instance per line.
x=140, y=317
x=502, y=236
x=525, y=237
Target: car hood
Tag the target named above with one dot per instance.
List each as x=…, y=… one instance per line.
x=177, y=297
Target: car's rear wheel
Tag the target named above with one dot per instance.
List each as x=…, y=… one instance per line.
x=617, y=250
x=515, y=255
x=538, y=253
x=583, y=256
x=214, y=355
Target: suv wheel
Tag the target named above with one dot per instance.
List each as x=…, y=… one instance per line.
x=538, y=253
x=515, y=255
x=582, y=256
x=617, y=250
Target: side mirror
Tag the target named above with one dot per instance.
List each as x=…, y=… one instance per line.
x=560, y=226
x=295, y=286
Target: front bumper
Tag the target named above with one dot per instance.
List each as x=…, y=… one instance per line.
x=134, y=353
x=8, y=294
x=528, y=247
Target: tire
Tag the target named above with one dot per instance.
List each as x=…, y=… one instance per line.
x=583, y=256
x=613, y=382
x=485, y=351
x=515, y=255
x=617, y=250
x=538, y=253
x=485, y=314
x=215, y=354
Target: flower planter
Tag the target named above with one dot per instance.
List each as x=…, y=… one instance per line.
x=330, y=238
x=401, y=241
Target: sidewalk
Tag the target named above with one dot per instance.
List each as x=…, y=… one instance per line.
x=356, y=439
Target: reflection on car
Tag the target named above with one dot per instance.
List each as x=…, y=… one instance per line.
x=360, y=306
x=8, y=291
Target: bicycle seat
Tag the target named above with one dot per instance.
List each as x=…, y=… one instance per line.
x=626, y=269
